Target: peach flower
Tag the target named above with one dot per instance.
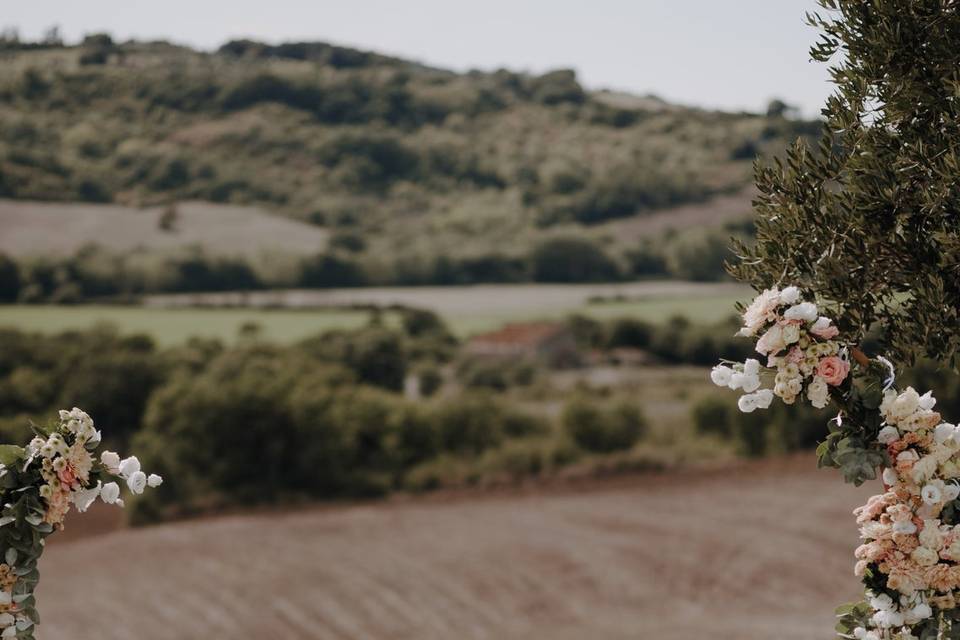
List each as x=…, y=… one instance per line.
x=833, y=370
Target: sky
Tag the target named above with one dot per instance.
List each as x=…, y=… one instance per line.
x=727, y=54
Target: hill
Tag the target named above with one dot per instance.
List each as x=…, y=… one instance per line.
x=224, y=230
x=418, y=174
x=597, y=563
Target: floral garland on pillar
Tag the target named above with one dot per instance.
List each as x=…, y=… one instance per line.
x=909, y=559
x=38, y=484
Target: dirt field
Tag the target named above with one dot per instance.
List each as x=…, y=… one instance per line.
x=45, y=228
x=759, y=553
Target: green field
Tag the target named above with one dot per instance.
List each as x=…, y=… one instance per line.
x=174, y=325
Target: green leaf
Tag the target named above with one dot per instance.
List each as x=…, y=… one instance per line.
x=10, y=454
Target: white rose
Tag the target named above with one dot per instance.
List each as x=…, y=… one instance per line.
x=890, y=477
x=888, y=434
x=154, y=481
x=923, y=469
x=750, y=383
x=789, y=295
x=882, y=602
x=763, y=398
x=111, y=461
x=747, y=403
x=886, y=405
x=806, y=311
x=85, y=497
x=908, y=456
x=5, y=599
x=887, y=619
x=129, y=466
x=110, y=492
x=927, y=401
x=758, y=400
x=720, y=375
x=137, y=482
x=904, y=526
x=943, y=432
x=922, y=611
x=905, y=404
x=736, y=380
x=822, y=324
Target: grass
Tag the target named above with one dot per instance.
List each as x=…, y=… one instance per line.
x=175, y=325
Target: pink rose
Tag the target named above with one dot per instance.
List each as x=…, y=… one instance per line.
x=833, y=370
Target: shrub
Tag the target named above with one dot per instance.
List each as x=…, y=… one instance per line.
x=376, y=355
x=599, y=428
x=9, y=280
x=713, y=415
x=572, y=260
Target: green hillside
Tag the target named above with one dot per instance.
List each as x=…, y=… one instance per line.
x=419, y=174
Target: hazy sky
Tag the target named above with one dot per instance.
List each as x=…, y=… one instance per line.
x=731, y=54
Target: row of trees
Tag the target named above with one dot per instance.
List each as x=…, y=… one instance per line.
x=92, y=273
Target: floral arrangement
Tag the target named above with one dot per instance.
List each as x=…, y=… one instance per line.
x=909, y=559
x=39, y=483
x=797, y=342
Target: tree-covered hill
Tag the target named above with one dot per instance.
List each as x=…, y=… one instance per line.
x=407, y=165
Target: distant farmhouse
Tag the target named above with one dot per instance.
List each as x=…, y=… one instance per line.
x=549, y=342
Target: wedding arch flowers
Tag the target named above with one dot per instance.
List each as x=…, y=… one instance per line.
x=909, y=559
x=39, y=484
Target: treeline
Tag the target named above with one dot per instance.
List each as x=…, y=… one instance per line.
x=92, y=273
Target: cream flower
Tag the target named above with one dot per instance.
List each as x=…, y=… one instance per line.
x=818, y=393
x=924, y=557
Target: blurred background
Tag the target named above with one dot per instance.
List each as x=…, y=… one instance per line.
x=413, y=306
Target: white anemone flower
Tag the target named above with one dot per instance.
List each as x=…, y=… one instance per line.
x=931, y=494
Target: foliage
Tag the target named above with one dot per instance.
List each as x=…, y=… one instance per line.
x=595, y=426
x=868, y=219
